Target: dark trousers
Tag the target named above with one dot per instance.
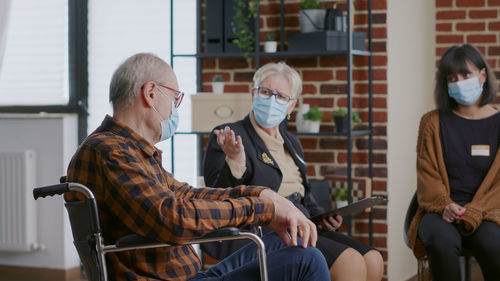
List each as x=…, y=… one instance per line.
x=443, y=243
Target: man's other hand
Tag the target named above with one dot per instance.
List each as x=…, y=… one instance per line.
x=288, y=221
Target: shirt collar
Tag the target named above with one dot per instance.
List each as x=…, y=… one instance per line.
x=270, y=142
x=122, y=130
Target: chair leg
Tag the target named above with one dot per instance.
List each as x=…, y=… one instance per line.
x=421, y=270
x=467, y=268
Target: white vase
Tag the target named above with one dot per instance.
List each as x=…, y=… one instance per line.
x=312, y=20
x=303, y=109
x=270, y=46
x=218, y=87
x=341, y=203
x=311, y=126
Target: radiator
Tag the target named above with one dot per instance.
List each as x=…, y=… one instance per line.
x=18, y=230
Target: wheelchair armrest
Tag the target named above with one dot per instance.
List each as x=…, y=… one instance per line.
x=134, y=240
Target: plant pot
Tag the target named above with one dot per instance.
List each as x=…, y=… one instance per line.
x=270, y=46
x=218, y=87
x=341, y=203
x=312, y=20
x=309, y=126
x=341, y=124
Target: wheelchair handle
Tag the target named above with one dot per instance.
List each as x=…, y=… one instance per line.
x=58, y=189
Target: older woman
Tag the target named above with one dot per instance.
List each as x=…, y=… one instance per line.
x=258, y=151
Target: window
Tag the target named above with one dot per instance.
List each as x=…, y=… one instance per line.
x=34, y=69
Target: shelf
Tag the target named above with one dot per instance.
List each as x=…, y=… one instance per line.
x=321, y=134
x=285, y=54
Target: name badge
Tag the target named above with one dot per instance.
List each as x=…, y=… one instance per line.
x=480, y=150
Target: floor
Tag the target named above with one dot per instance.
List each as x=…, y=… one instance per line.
x=476, y=274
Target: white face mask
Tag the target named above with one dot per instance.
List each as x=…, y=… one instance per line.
x=465, y=92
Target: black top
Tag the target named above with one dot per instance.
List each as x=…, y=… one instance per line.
x=469, y=147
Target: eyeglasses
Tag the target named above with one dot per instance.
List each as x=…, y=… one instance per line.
x=266, y=93
x=178, y=94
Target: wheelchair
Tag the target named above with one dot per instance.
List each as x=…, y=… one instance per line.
x=89, y=243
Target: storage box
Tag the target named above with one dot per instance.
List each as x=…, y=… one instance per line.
x=210, y=110
x=324, y=41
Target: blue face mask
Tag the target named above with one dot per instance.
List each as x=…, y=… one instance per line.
x=169, y=126
x=465, y=92
x=268, y=112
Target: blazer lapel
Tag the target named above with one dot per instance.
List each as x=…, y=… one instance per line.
x=261, y=151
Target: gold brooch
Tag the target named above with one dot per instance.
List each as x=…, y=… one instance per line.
x=266, y=159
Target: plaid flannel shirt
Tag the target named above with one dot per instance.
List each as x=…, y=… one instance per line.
x=136, y=195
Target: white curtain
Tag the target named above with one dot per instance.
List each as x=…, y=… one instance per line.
x=4, y=20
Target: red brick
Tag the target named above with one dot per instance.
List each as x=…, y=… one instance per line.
x=444, y=3
x=359, y=158
x=292, y=8
x=482, y=38
x=493, y=3
x=269, y=9
x=379, y=60
x=380, y=185
x=318, y=102
x=379, y=47
x=449, y=39
x=333, y=170
x=494, y=51
x=482, y=14
x=309, y=89
x=317, y=75
x=443, y=27
x=333, y=61
x=363, y=227
x=233, y=63
x=379, y=32
x=377, y=144
x=309, y=143
x=361, y=19
x=379, y=18
x=208, y=64
x=311, y=171
x=318, y=157
x=362, y=5
x=441, y=51
x=470, y=3
x=450, y=15
x=494, y=25
x=272, y=22
x=379, y=88
x=333, y=89
x=378, y=172
x=302, y=62
x=380, y=131
x=478, y=26
x=292, y=21
x=333, y=143
x=243, y=77
x=341, y=75
x=379, y=74
x=236, y=88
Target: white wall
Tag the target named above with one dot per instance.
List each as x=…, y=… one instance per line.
x=411, y=56
x=54, y=140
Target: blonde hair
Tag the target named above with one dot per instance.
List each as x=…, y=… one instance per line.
x=281, y=68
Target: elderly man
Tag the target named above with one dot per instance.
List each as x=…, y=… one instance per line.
x=121, y=165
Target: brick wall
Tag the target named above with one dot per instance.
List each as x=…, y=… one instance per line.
x=324, y=80
x=470, y=21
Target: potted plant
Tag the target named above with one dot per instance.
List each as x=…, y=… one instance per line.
x=341, y=121
x=312, y=16
x=244, y=14
x=218, y=84
x=270, y=46
x=340, y=195
x=312, y=119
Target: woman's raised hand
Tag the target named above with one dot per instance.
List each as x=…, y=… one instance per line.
x=231, y=144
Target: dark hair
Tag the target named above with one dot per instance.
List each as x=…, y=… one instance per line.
x=455, y=61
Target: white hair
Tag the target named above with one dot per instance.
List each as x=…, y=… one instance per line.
x=281, y=68
x=131, y=75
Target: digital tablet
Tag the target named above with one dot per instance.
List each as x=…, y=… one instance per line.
x=355, y=207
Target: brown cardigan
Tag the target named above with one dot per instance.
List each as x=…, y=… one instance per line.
x=433, y=188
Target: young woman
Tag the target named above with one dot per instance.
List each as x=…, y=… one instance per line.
x=458, y=166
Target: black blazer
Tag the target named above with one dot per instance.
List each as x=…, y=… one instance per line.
x=259, y=172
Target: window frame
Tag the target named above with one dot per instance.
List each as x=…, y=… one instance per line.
x=78, y=72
